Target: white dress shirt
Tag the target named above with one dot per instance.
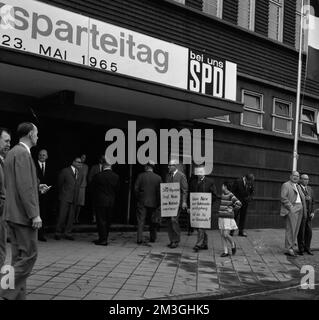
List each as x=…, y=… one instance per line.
x=42, y=164
x=298, y=200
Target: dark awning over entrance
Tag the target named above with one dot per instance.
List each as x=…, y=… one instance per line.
x=31, y=75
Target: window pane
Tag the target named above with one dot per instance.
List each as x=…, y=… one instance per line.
x=211, y=7
x=308, y=115
x=244, y=12
x=282, y=109
x=307, y=131
x=252, y=118
x=252, y=101
x=274, y=21
x=282, y=125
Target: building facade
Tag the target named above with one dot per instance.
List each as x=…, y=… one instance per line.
x=253, y=131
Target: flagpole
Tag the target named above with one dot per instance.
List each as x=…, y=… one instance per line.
x=295, y=151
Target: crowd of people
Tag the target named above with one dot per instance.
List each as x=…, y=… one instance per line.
x=25, y=185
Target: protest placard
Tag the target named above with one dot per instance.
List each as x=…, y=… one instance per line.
x=200, y=210
x=170, y=199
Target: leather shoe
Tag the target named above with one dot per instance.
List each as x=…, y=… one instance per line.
x=69, y=238
x=242, y=234
x=204, y=247
x=169, y=245
x=223, y=255
x=309, y=252
x=290, y=253
x=300, y=253
x=42, y=239
x=174, y=245
x=196, y=248
x=101, y=243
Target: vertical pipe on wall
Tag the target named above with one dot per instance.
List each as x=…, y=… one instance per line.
x=295, y=151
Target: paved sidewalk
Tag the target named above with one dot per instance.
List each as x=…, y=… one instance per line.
x=72, y=270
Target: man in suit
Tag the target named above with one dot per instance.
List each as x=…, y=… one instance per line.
x=243, y=189
x=105, y=187
x=93, y=171
x=45, y=177
x=293, y=207
x=147, y=193
x=82, y=193
x=174, y=175
x=5, y=140
x=201, y=183
x=305, y=230
x=22, y=208
x=69, y=182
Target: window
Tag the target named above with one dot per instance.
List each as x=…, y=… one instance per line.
x=213, y=7
x=275, y=20
x=282, y=116
x=220, y=118
x=180, y=1
x=308, y=119
x=298, y=21
x=246, y=14
x=253, y=109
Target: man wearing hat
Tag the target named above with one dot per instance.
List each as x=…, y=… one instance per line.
x=147, y=193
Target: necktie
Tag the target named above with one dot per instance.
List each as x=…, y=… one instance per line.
x=306, y=191
x=42, y=169
x=76, y=173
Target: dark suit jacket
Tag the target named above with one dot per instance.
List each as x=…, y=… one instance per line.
x=2, y=189
x=68, y=186
x=93, y=171
x=243, y=193
x=104, y=188
x=22, y=199
x=310, y=203
x=147, y=189
x=181, y=179
x=205, y=185
x=47, y=178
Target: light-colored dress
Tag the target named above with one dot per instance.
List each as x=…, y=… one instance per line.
x=227, y=224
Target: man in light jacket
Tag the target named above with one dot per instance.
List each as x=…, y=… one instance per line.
x=293, y=208
x=22, y=209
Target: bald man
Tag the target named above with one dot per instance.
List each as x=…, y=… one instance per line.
x=293, y=208
x=305, y=231
x=174, y=175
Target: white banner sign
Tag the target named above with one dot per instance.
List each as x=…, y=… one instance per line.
x=170, y=199
x=200, y=210
x=42, y=29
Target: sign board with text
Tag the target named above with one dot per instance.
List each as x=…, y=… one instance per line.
x=200, y=209
x=170, y=199
x=42, y=29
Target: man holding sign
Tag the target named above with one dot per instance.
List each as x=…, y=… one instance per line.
x=202, y=195
x=178, y=181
